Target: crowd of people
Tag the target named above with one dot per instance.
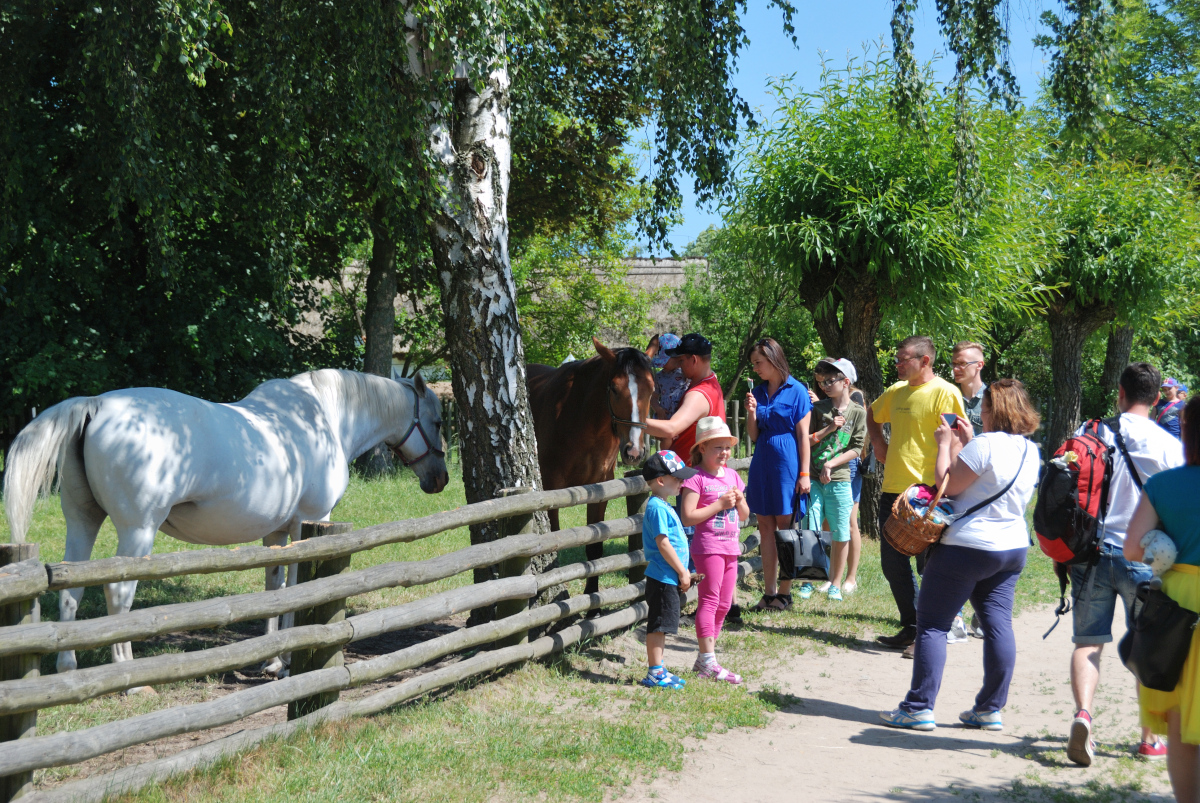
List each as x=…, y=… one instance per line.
x=972, y=441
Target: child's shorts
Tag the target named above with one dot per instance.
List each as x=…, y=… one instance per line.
x=663, y=601
x=832, y=503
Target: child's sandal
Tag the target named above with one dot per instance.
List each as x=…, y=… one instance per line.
x=664, y=681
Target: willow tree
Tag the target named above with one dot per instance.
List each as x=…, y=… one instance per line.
x=1122, y=243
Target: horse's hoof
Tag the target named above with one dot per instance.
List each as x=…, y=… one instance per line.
x=148, y=690
x=274, y=668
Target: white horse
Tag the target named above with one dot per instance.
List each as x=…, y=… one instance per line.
x=205, y=473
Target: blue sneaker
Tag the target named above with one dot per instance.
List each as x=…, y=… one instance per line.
x=914, y=720
x=984, y=720
x=664, y=680
x=835, y=594
x=806, y=591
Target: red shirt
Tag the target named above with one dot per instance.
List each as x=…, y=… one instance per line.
x=710, y=388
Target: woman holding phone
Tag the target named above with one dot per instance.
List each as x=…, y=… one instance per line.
x=979, y=557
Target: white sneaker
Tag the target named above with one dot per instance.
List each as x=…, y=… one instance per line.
x=824, y=587
x=958, y=632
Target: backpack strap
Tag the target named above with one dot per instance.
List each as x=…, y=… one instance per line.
x=1114, y=424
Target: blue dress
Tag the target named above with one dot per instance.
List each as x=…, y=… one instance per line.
x=775, y=466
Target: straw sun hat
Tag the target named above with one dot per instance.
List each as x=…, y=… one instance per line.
x=712, y=428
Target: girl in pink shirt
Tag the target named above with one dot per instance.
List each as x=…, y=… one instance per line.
x=714, y=503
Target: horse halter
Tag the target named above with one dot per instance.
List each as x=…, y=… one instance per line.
x=416, y=425
x=616, y=419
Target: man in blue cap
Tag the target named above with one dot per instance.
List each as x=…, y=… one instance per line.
x=1167, y=415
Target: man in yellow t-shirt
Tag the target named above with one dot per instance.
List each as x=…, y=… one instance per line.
x=913, y=406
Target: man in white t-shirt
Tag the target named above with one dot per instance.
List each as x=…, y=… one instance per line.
x=1095, y=589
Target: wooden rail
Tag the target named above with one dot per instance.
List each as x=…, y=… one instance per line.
x=321, y=639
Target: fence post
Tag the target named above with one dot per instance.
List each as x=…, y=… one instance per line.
x=635, y=504
x=514, y=567
x=16, y=667
x=324, y=614
x=737, y=426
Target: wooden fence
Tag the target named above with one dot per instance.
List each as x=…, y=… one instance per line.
x=319, y=672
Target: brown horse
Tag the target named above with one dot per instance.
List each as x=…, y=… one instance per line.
x=585, y=413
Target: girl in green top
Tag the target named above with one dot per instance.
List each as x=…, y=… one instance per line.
x=838, y=441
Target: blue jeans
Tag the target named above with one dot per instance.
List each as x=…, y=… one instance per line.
x=1094, y=594
x=953, y=575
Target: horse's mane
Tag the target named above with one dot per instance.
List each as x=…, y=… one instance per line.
x=628, y=358
x=340, y=389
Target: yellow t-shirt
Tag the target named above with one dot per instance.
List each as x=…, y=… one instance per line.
x=914, y=414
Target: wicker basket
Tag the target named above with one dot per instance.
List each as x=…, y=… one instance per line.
x=910, y=533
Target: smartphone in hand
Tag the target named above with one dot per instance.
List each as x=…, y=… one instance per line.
x=951, y=420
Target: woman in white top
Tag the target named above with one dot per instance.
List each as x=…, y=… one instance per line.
x=992, y=479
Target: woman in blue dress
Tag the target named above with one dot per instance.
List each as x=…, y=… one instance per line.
x=777, y=418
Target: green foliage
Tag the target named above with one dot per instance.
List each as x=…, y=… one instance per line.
x=1117, y=234
x=737, y=300
x=570, y=289
x=1083, y=53
x=1156, y=82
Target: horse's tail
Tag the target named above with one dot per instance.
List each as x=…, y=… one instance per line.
x=35, y=455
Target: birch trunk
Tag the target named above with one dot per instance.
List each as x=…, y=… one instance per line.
x=472, y=142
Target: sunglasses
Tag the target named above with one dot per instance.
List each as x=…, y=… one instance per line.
x=965, y=364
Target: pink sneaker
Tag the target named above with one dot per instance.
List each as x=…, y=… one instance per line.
x=1152, y=751
x=715, y=671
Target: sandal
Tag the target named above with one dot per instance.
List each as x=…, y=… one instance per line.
x=765, y=603
x=780, y=602
x=715, y=671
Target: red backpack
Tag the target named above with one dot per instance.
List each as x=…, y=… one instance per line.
x=1073, y=501
x=1073, y=497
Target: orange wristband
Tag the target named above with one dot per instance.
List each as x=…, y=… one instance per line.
x=803, y=473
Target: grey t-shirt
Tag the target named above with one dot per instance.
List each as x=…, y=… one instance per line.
x=850, y=436
x=974, y=406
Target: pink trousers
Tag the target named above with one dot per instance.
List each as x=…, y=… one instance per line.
x=716, y=591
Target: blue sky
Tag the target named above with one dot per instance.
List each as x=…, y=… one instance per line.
x=837, y=30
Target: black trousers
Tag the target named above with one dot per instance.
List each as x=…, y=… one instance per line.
x=897, y=568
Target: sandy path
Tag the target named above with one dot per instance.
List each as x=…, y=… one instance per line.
x=832, y=746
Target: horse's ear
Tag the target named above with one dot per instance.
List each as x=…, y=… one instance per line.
x=652, y=347
x=419, y=383
x=604, y=351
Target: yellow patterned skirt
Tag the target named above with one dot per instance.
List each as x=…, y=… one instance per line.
x=1181, y=583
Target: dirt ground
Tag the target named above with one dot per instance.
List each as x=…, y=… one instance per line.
x=829, y=743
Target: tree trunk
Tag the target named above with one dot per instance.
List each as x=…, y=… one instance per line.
x=379, y=327
x=483, y=338
x=1068, y=333
x=854, y=338
x=1116, y=357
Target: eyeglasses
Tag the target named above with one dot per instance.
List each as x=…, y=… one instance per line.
x=828, y=383
x=902, y=360
x=965, y=364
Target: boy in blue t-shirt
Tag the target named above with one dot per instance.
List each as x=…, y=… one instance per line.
x=666, y=550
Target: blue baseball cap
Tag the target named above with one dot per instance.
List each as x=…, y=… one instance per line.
x=1170, y=382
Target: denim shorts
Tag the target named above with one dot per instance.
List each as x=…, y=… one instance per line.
x=1094, y=594
x=856, y=478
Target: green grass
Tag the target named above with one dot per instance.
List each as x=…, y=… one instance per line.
x=543, y=731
